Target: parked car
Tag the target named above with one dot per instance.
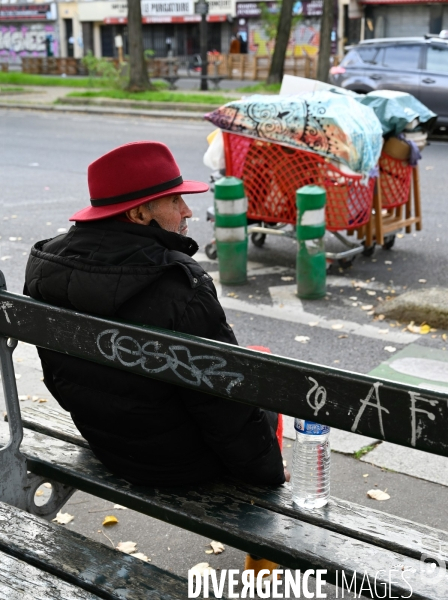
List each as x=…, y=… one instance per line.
x=417, y=65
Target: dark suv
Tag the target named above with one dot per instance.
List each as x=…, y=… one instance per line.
x=417, y=65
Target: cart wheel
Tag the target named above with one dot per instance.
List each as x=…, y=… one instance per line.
x=345, y=263
x=211, y=251
x=368, y=250
x=258, y=239
x=389, y=241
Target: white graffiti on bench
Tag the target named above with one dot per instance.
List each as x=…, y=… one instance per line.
x=150, y=351
x=319, y=394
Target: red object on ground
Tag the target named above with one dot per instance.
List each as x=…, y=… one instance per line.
x=279, y=431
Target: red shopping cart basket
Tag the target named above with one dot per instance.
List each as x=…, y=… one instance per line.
x=272, y=173
x=395, y=181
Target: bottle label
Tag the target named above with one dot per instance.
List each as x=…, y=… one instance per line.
x=310, y=428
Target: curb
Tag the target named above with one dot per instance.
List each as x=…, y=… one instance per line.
x=135, y=104
x=129, y=112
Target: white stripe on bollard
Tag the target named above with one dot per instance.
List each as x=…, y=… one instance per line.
x=230, y=234
x=313, y=217
x=231, y=207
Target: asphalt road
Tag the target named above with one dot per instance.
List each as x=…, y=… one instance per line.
x=43, y=162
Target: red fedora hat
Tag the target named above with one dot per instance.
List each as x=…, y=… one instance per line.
x=131, y=175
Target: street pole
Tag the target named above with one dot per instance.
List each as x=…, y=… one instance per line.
x=201, y=8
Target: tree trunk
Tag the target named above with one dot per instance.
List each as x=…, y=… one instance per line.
x=323, y=64
x=138, y=78
x=204, y=57
x=281, y=42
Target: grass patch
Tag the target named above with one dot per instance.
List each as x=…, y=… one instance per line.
x=45, y=80
x=261, y=88
x=11, y=89
x=360, y=453
x=154, y=96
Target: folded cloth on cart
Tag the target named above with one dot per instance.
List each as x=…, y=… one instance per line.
x=332, y=125
x=398, y=111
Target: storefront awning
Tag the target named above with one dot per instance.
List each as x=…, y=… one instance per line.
x=176, y=19
x=402, y=1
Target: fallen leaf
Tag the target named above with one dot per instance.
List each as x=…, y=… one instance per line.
x=313, y=324
x=285, y=464
x=110, y=520
x=127, y=547
x=24, y=397
x=119, y=507
x=39, y=493
x=390, y=349
x=371, y=293
x=366, y=475
x=63, y=518
x=47, y=485
x=34, y=398
x=422, y=280
x=141, y=556
x=287, y=278
x=353, y=297
x=381, y=317
x=13, y=239
x=337, y=361
x=371, y=312
x=400, y=235
x=344, y=335
x=18, y=376
x=367, y=307
x=337, y=326
x=413, y=328
x=383, y=330
x=444, y=337
x=232, y=295
x=428, y=168
x=61, y=230
x=387, y=262
x=303, y=339
x=42, y=400
x=424, y=329
x=217, y=547
x=354, y=304
x=378, y=495
x=202, y=569
x=209, y=551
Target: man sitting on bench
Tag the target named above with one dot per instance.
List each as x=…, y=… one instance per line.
x=128, y=257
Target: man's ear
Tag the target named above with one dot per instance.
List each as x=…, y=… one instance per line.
x=139, y=215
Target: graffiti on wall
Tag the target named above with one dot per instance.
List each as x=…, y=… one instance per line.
x=27, y=40
x=304, y=37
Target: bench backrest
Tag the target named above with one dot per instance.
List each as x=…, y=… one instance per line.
x=404, y=415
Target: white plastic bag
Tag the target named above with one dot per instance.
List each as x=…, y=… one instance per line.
x=214, y=157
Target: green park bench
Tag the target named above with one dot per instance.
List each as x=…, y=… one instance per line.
x=45, y=447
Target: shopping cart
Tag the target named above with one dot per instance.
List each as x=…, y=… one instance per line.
x=272, y=173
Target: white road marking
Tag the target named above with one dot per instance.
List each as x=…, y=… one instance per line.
x=423, y=368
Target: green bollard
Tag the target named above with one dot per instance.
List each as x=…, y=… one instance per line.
x=231, y=230
x=311, y=262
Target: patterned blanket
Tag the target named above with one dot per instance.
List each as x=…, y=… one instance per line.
x=331, y=125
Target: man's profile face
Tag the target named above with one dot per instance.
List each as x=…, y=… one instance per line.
x=170, y=212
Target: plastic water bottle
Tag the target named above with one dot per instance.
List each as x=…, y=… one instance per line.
x=311, y=464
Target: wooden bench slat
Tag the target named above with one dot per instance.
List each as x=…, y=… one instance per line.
x=81, y=561
x=21, y=581
x=366, y=524
x=385, y=410
x=243, y=525
x=51, y=421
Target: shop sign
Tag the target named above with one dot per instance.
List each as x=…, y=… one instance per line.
x=307, y=8
x=100, y=11
x=165, y=8
x=220, y=7
x=27, y=12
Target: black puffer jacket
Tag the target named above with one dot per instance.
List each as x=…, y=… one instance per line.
x=147, y=431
